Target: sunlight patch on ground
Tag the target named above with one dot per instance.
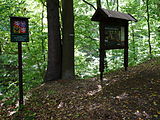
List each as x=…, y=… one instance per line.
x=141, y=114
x=90, y=93
x=122, y=96
x=60, y=105
x=95, y=106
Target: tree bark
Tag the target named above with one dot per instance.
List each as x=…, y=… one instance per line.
x=117, y=5
x=42, y=24
x=133, y=41
x=149, y=31
x=108, y=4
x=54, y=41
x=68, y=40
x=99, y=3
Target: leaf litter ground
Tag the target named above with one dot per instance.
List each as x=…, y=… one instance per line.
x=127, y=95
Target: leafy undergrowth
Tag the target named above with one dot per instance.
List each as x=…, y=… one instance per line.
x=127, y=95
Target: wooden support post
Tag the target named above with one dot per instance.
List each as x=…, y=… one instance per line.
x=126, y=48
x=101, y=66
x=20, y=75
x=126, y=59
x=102, y=53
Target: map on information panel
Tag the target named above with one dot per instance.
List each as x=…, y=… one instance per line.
x=114, y=37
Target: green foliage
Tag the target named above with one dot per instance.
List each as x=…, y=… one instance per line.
x=34, y=52
x=87, y=36
x=86, y=46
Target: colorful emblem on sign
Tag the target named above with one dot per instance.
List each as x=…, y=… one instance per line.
x=19, y=27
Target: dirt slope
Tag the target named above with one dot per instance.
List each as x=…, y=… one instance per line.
x=131, y=95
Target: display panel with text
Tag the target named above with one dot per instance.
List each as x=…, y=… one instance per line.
x=114, y=37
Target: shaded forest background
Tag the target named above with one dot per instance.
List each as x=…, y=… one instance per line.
x=144, y=41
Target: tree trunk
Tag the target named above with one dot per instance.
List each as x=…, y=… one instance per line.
x=42, y=24
x=54, y=41
x=108, y=7
x=117, y=5
x=133, y=42
x=99, y=3
x=149, y=32
x=68, y=40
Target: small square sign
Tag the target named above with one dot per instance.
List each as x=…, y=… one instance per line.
x=19, y=29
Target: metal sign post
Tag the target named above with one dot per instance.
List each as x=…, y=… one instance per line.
x=20, y=74
x=19, y=33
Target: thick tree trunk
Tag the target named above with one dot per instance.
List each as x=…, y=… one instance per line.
x=54, y=41
x=68, y=40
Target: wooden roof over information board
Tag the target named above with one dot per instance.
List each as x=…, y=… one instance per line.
x=102, y=14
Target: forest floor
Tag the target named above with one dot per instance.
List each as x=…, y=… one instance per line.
x=127, y=95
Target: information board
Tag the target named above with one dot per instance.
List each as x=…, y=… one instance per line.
x=19, y=29
x=114, y=37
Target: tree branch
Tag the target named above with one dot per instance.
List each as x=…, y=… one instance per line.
x=89, y=4
x=43, y=3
